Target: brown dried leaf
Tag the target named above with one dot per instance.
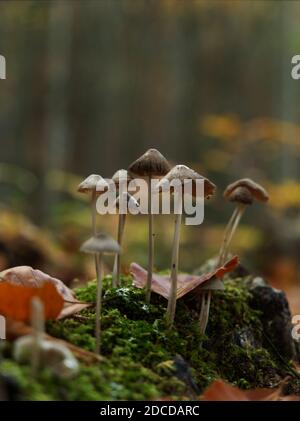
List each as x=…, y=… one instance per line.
x=222, y=391
x=28, y=277
x=186, y=283
x=15, y=300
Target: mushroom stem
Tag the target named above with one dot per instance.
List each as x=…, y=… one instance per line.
x=239, y=212
x=117, y=262
x=174, y=268
x=150, y=243
x=226, y=235
x=229, y=232
x=204, y=314
x=98, y=262
x=94, y=212
x=38, y=324
x=201, y=314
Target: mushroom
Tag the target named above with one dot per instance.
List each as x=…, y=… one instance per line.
x=124, y=201
x=208, y=288
x=180, y=174
x=152, y=164
x=243, y=192
x=98, y=245
x=95, y=185
x=53, y=355
x=42, y=352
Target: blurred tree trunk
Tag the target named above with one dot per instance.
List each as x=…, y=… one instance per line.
x=57, y=138
x=290, y=93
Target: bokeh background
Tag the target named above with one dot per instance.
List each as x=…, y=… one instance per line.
x=92, y=84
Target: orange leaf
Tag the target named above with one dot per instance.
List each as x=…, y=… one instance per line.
x=228, y=267
x=15, y=300
x=221, y=391
x=26, y=276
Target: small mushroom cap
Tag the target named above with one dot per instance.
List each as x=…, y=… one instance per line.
x=93, y=183
x=100, y=243
x=256, y=190
x=241, y=195
x=152, y=163
x=182, y=173
x=121, y=176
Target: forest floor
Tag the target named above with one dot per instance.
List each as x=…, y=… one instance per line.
x=142, y=359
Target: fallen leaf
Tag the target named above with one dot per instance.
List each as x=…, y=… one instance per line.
x=28, y=277
x=228, y=267
x=186, y=283
x=15, y=300
x=222, y=391
x=70, y=309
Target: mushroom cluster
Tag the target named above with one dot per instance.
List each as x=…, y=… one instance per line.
x=153, y=166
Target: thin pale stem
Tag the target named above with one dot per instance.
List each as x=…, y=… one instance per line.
x=150, y=244
x=38, y=324
x=174, y=268
x=94, y=213
x=203, y=301
x=204, y=315
x=117, y=261
x=226, y=235
x=98, y=263
x=240, y=211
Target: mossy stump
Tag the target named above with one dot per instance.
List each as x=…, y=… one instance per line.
x=144, y=360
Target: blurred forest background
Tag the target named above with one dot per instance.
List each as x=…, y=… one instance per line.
x=92, y=84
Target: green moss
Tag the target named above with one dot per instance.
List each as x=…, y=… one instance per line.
x=139, y=349
x=291, y=387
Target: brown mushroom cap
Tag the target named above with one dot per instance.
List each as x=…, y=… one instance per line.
x=93, y=183
x=241, y=195
x=182, y=173
x=256, y=190
x=100, y=243
x=152, y=163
